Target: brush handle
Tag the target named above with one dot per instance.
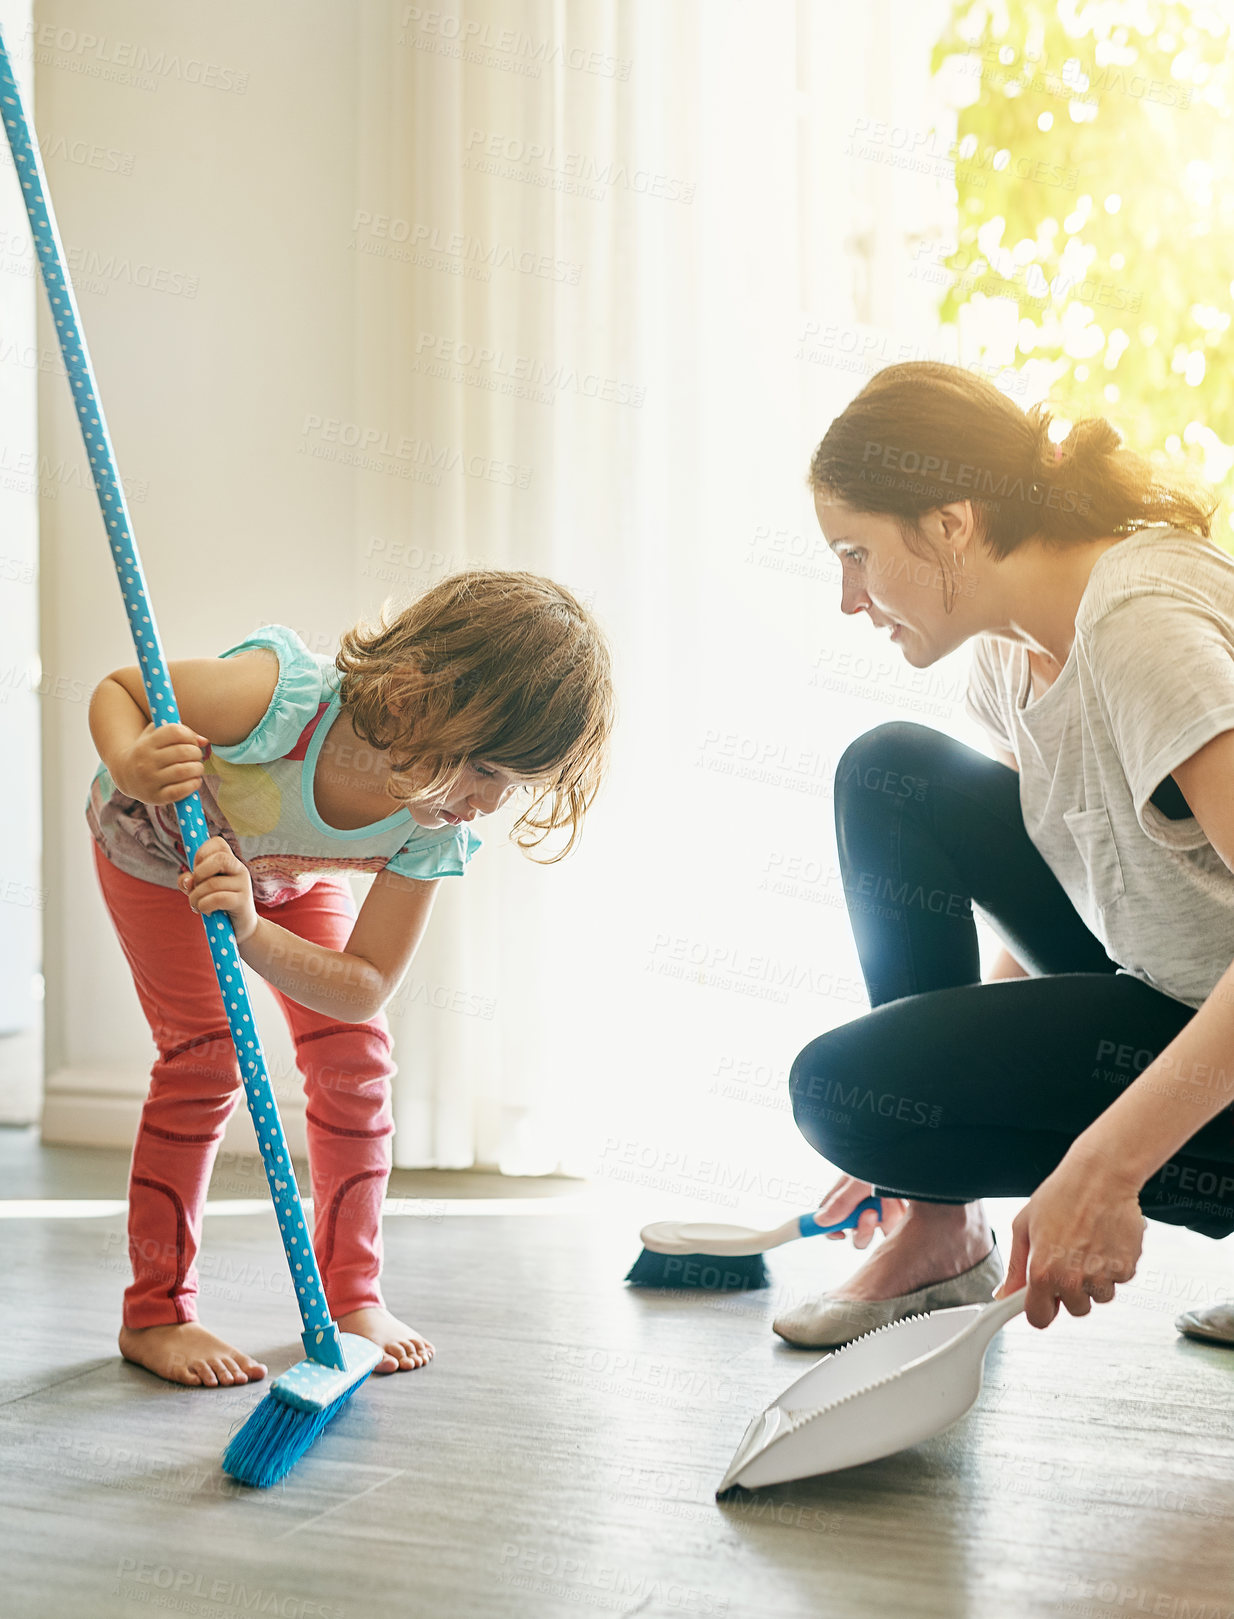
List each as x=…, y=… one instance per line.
x=807, y=1226
x=321, y=1335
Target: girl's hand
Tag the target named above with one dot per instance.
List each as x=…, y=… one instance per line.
x=221, y=882
x=844, y=1197
x=164, y=764
x=1078, y=1235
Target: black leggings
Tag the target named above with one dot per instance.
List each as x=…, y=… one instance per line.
x=949, y=1089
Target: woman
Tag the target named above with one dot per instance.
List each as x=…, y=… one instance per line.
x=1095, y=1074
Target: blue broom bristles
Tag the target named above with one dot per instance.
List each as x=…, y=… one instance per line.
x=275, y=1437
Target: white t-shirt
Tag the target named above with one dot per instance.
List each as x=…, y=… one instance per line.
x=1148, y=681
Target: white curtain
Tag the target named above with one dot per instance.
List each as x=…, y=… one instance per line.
x=567, y=287
x=619, y=267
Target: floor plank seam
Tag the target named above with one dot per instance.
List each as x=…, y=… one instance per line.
x=377, y=1484
x=60, y=1382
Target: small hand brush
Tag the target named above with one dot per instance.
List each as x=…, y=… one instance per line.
x=722, y=1258
x=304, y=1399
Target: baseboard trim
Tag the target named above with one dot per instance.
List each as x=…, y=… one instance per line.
x=83, y=1113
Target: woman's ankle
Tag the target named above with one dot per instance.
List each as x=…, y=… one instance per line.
x=960, y=1224
x=957, y=1214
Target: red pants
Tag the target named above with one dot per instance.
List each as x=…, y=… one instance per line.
x=195, y=1084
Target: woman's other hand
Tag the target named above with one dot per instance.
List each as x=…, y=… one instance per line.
x=844, y=1197
x=1079, y=1235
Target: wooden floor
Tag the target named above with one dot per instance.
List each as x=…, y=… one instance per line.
x=562, y=1453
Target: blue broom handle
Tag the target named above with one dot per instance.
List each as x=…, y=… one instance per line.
x=321, y=1336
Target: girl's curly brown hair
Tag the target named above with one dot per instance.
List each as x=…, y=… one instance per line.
x=487, y=664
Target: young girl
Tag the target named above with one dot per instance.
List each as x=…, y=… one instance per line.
x=491, y=683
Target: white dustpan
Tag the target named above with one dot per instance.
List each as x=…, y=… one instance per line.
x=887, y=1390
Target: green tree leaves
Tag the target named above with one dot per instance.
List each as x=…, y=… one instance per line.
x=1094, y=172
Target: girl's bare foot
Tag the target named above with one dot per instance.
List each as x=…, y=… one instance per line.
x=932, y=1243
x=405, y=1348
x=184, y=1352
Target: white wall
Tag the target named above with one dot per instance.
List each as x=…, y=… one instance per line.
x=235, y=170
x=21, y=892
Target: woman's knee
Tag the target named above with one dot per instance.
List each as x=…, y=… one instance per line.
x=815, y=1080
x=892, y=759
x=849, y=1097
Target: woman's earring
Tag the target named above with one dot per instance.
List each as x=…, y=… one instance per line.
x=959, y=567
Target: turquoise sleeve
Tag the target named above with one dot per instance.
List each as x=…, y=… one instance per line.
x=302, y=688
x=428, y=856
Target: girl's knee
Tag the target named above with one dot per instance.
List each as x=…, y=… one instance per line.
x=347, y=1087
x=202, y=1069
x=348, y=1059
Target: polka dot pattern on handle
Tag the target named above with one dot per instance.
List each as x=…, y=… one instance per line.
x=321, y=1334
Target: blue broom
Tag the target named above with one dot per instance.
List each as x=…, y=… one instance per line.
x=303, y=1400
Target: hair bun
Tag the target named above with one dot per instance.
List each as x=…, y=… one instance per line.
x=1094, y=437
x=1091, y=439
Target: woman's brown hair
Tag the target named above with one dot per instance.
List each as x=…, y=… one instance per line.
x=494, y=665
x=924, y=434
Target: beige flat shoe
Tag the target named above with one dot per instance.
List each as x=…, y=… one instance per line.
x=1215, y=1324
x=827, y=1322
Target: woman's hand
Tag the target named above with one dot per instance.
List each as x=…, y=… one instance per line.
x=164, y=764
x=1078, y=1235
x=221, y=882
x=844, y=1197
